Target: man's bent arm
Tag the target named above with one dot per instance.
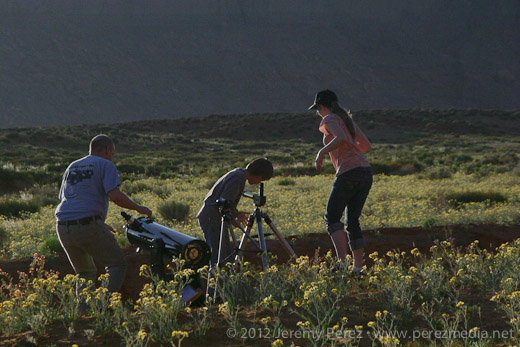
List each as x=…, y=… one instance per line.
x=121, y=199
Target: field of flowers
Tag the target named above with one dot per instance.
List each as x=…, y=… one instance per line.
x=450, y=297
x=444, y=298
x=447, y=296
x=297, y=205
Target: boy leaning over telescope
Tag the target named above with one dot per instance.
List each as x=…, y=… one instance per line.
x=229, y=188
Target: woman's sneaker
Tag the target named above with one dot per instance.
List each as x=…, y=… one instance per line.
x=359, y=274
x=339, y=266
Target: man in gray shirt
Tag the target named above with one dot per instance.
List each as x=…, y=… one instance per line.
x=87, y=186
x=229, y=187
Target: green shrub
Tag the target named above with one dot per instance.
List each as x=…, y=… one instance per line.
x=435, y=173
x=380, y=167
x=286, y=182
x=459, y=158
x=158, y=189
x=493, y=163
x=408, y=169
x=13, y=207
x=429, y=222
x=480, y=170
x=494, y=159
x=165, y=175
x=161, y=191
x=152, y=170
x=456, y=199
x=131, y=188
x=304, y=170
x=13, y=180
x=46, y=177
x=173, y=211
x=58, y=168
x=44, y=195
x=42, y=200
x=4, y=236
x=35, y=198
x=131, y=168
x=502, y=169
x=516, y=170
x=401, y=168
x=51, y=247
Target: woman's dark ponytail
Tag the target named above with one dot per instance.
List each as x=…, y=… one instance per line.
x=345, y=115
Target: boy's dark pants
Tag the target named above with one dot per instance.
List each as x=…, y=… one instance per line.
x=210, y=223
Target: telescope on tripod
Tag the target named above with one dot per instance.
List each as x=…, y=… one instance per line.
x=257, y=216
x=162, y=241
x=226, y=229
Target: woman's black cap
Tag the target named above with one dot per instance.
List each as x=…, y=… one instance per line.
x=325, y=97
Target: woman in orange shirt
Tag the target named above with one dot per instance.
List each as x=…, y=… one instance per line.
x=344, y=142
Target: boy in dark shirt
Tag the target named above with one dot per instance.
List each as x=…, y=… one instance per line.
x=229, y=187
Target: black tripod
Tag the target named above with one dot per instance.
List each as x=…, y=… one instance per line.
x=227, y=227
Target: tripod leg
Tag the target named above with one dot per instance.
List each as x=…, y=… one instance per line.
x=279, y=235
x=233, y=238
x=246, y=234
x=262, y=240
x=243, y=240
x=212, y=292
x=156, y=258
x=223, y=229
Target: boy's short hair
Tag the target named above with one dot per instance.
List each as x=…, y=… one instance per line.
x=261, y=167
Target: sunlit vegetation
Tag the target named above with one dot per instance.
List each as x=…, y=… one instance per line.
x=430, y=171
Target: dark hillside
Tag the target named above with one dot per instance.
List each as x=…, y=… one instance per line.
x=404, y=141
x=381, y=126
x=68, y=62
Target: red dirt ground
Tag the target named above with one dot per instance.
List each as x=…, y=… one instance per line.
x=404, y=239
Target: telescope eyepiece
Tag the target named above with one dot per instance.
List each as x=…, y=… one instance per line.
x=224, y=206
x=248, y=194
x=126, y=216
x=223, y=203
x=258, y=199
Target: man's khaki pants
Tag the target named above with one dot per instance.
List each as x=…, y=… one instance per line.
x=94, y=242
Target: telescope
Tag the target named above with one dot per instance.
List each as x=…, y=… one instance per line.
x=226, y=230
x=160, y=241
x=144, y=233
x=258, y=199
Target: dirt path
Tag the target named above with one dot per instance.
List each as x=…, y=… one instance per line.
x=490, y=236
